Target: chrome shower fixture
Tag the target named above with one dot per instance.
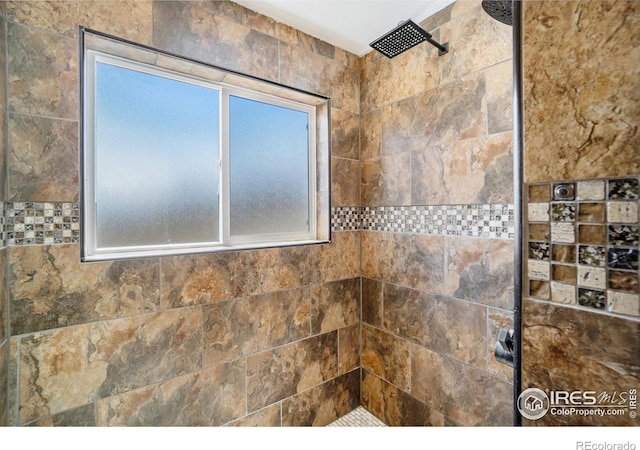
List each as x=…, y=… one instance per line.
x=403, y=37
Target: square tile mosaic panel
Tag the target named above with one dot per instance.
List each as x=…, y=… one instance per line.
x=582, y=243
x=33, y=223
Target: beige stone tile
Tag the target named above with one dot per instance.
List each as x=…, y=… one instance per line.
x=590, y=190
x=622, y=212
x=563, y=293
x=623, y=303
x=538, y=212
x=594, y=277
x=538, y=270
x=563, y=232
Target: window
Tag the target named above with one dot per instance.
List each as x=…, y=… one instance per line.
x=180, y=157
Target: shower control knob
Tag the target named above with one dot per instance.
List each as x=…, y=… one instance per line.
x=504, y=348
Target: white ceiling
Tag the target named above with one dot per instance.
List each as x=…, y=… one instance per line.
x=348, y=24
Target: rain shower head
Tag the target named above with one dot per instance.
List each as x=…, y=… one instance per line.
x=403, y=37
x=500, y=10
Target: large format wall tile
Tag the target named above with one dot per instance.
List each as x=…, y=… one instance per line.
x=4, y=375
x=72, y=366
x=210, y=397
x=323, y=404
x=387, y=356
x=50, y=288
x=271, y=416
x=581, y=85
x=4, y=305
x=42, y=159
x=285, y=371
x=345, y=189
x=181, y=28
x=335, y=305
x=448, y=326
x=82, y=416
x=126, y=19
x=464, y=394
x=248, y=325
x=42, y=73
x=395, y=407
x=480, y=270
x=372, y=302
x=410, y=260
x=348, y=348
x=567, y=349
x=345, y=134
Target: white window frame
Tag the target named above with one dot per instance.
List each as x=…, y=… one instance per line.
x=90, y=251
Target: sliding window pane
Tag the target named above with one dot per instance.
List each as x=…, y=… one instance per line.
x=269, y=168
x=156, y=159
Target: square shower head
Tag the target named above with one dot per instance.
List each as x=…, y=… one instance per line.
x=401, y=38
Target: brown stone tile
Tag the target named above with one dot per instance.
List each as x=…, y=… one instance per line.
x=4, y=375
x=299, y=266
x=482, y=35
x=370, y=130
x=563, y=253
x=539, y=289
x=539, y=232
x=3, y=64
x=345, y=134
x=345, y=189
x=500, y=97
x=284, y=371
x=49, y=288
x=206, y=398
x=468, y=396
x=539, y=193
x=480, y=270
x=473, y=171
x=305, y=41
x=394, y=406
x=323, y=404
x=623, y=281
x=449, y=113
x=565, y=274
x=198, y=34
x=563, y=141
x=384, y=81
x=13, y=413
x=267, y=417
x=432, y=321
x=126, y=19
x=569, y=349
x=335, y=305
x=42, y=159
x=372, y=302
x=201, y=279
x=498, y=319
x=239, y=14
x=42, y=73
x=348, y=348
x=387, y=356
x=145, y=349
x=340, y=259
x=3, y=144
x=394, y=186
x=83, y=416
x=591, y=212
x=312, y=72
x=4, y=304
x=432, y=189
x=592, y=234
x=244, y=326
x=410, y=260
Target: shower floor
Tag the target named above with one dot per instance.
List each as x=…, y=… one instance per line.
x=359, y=417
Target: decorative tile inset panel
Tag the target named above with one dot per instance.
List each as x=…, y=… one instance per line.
x=592, y=241
x=29, y=223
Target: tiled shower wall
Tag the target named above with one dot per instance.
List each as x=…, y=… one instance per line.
x=266, y=337
x=581, y=327
x=4, y=307
x=436, y=139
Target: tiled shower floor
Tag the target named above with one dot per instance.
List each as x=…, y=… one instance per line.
x=359, y=417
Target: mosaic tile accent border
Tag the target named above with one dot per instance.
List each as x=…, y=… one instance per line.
x=582, y=243
x=47, y=223
x=488, y=221
x=33, y=223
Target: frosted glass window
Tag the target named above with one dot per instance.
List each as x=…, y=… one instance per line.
x=181, y=157
x=269, y=168
x=156, y=159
